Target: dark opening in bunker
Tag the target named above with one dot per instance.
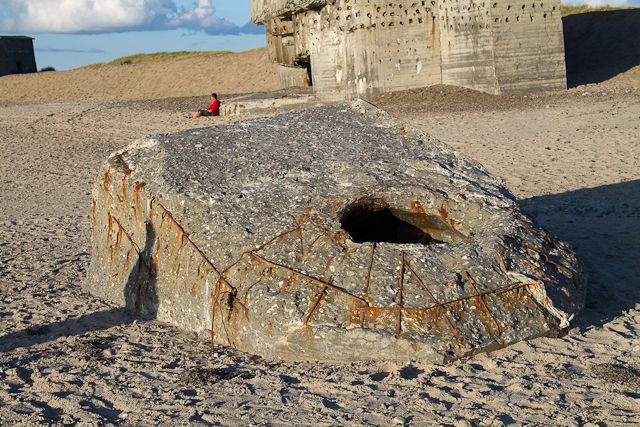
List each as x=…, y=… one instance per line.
x=306, y=65
x=373, y=220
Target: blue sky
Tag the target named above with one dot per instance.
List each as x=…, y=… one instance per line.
x=72, y=33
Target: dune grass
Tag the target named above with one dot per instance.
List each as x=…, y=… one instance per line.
x=142, y=58
x=574, y=10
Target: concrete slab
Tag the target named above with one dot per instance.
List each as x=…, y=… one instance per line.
x=334, y=234
x=265, y=103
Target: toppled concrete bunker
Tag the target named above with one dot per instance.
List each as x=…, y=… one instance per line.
x=335, y=233
x=349, y=48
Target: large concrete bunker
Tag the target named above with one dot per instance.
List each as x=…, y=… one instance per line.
x=351, y=48
x=336, y=233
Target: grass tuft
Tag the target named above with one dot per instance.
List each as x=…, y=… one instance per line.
x=141, y=58
x=583, y=8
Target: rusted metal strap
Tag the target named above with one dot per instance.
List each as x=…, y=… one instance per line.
x=310, y=278
x=204, y=256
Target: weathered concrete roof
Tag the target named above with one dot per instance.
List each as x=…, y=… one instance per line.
x=262, y=10
x=16, y=38
x=335, y=233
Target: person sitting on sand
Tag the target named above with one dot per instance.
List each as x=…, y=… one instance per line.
x=213, y=110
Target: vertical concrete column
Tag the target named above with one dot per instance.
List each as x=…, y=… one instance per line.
x=528, y=46
x=363, y=48
x=466, y=45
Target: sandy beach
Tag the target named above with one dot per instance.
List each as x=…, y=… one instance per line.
x=572, y=158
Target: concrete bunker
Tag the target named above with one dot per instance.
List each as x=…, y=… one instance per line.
x=16, y=55
x=353, y=48
x=245, y=232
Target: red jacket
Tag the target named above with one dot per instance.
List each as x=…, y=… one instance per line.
x=214, y=108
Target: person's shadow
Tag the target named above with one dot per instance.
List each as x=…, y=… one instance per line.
x=601, y=45
x=140, y=291
x=603, y=226
x=141, y=301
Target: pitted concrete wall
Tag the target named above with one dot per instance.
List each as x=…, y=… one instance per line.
x=364, y=47
x=528, y=46
x=466, y=43
x=280, y=43
x=360, y=48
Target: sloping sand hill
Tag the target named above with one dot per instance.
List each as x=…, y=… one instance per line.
x=242, y=72
x=630, y=78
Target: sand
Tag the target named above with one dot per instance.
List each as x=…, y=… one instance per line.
x=573, y=159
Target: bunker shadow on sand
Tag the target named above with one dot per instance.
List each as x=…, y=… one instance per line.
x=140, y=301
x=603, y=226
x=601, y=45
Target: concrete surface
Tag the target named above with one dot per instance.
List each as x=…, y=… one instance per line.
x=364, y=47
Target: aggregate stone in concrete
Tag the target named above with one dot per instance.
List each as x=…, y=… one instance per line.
x=334, y=234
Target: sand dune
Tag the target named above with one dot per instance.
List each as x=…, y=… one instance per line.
x=226, y=73
x=630, y=78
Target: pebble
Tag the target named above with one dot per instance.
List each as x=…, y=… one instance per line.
x=210, y=418
x=492, y=421
x=109, y=352
x=399, y=421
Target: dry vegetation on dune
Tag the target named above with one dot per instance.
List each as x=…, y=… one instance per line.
x=141, y=58
x=567, y=9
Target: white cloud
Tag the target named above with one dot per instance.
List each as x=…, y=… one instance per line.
x=98, y=16
x=201, y=16
x=103, y=16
